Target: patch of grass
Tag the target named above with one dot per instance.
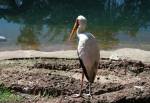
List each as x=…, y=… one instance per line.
x=7, y=96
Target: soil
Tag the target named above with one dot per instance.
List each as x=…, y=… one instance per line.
x=55, y=80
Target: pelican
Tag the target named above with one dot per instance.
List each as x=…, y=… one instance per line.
x=88, y=52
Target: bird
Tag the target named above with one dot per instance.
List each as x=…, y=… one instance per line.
x=87, y=50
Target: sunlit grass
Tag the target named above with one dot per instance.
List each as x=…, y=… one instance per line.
x=7, y=96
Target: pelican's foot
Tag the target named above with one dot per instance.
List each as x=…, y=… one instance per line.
x=89, y=95
x=76, y=95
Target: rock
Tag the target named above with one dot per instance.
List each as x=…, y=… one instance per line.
x=141, y=88
x=115, y=57
x=2, y=39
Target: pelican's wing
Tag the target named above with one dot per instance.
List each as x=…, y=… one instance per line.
x=88, y=52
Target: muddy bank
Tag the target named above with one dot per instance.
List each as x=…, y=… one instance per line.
x=116, y=81
x=124, y=53
x=112, y=65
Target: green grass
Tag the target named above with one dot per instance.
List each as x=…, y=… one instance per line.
x=7, y=96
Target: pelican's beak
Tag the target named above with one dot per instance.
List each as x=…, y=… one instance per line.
x=71, y=36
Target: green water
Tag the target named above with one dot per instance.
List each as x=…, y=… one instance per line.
x=45, y=24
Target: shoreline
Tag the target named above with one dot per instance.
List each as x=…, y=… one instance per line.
x=123, y=53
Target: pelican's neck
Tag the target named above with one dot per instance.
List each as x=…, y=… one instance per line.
x=81, y=33
x=81, y=30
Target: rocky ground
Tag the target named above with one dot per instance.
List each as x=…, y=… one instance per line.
x=55, y=80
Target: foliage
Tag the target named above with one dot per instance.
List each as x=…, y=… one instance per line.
x=7, y=96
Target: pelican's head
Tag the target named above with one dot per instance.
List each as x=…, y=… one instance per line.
x=80, y=24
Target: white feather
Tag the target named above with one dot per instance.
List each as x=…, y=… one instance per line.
x=89, y=53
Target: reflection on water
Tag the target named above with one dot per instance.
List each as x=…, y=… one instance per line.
x=28, y=38
x=45, y=24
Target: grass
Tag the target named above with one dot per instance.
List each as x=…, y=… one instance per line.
x=7, y=96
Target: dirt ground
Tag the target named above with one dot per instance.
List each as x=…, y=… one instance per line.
x=55, y=80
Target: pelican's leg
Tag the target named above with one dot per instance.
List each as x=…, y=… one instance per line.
x=89, y=94
x=80, y=92
x=81, y=84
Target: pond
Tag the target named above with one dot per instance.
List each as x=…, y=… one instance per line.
x=45, y=24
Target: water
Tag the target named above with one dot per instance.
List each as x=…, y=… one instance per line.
x=45, y=24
